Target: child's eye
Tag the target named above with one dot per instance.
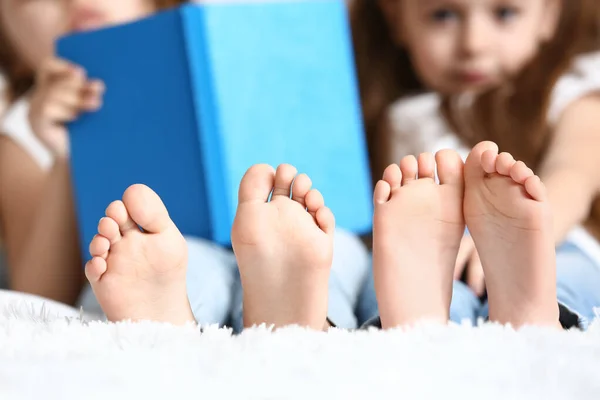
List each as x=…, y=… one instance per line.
x=443, y=15
x=506, y=14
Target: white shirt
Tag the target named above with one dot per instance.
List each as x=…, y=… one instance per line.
x=15, y=125
x=419, y=127
x=2, y=94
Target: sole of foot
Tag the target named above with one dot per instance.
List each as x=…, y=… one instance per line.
x=139, y=274
x=418, y=226
x=510, y=220
x=284, y=248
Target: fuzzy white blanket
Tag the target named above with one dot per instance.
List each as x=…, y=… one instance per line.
x=49, y=352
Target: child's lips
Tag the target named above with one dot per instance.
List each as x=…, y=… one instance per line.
x=473, y=77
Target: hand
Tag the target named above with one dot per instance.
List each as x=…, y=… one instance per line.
x=62, y=92
x=469, y=258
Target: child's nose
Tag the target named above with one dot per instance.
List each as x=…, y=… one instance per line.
x=475, y=36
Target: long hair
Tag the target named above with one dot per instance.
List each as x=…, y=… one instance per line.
x=514, y=116
x=19, y=77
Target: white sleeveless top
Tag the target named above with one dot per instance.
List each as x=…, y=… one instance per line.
x=419, y=127
x=15, y=125
x=2, y=95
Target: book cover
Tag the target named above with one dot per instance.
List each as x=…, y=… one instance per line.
x=198, y=94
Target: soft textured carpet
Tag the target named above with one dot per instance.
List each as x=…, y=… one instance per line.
x=49, y=352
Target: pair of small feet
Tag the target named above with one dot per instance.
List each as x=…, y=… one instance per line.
x=282, y=238
x=418, y=226
x=284, y=246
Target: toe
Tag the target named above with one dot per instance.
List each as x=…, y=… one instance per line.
x=109, y=228
x=409, y=168
x=473, y=165
x=146, y=209
x=426, y=167
x=535, y=188
x=504, y=163
x=94, y=269
x=257, y=184
x=450, y=168
x=314, y=201
x=325, y=220
x=520, y=172
x=284, y=176
x=300, y=188
x=382, y=192
x=488, y=161
x=99, y=246
x=118, y=213
x=393, y=176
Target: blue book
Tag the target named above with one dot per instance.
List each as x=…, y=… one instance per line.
x=197, y=94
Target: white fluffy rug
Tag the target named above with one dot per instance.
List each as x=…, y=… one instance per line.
x=49, y=352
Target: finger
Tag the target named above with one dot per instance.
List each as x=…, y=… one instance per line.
x=55, y=68
x=90, y=103
x=464, y=253
x=65, y=94
x=85, y=96
x=475, y=275
x=60, y=113
x=95, y=86
x=75, y=82
x=66, y=91
x=92, y=96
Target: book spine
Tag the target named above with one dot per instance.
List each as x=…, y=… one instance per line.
x=197, y=45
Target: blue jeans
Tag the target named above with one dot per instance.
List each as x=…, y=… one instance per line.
x=349, y=270
x=577, y=284
x=210, y=282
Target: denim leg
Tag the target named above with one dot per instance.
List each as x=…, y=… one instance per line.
x=577, y=282
x=484, y=311
x=236, y=319
x=367, y=308
x=210, y=281
x=349, y=271
x=465, y=304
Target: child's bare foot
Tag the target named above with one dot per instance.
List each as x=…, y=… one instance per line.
x=509, y=218
x=418, y=226
x=283, y=251
x=139, y=275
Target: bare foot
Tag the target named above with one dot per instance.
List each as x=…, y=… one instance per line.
x=418, y=226
x=284, y=252
x=139, y=275
x=509, y=218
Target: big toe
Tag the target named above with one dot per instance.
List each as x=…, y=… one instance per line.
x=473, y=168
x=257, y=184
x=146, y=209
x=450, y=168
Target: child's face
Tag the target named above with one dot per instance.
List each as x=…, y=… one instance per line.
x=469, y=45
x=32, y=26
